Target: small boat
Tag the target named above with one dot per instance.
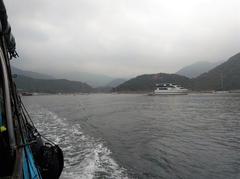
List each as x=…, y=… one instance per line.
x=24, y=152
x=221, y=92
x=235, y=91
x=169, y=89
x=26, y=94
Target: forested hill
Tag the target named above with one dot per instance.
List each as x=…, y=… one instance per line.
x=30, y=74
x=227, y=75
x=223, y=77
x=196, y=69
x=50, y=85
x=148, y=82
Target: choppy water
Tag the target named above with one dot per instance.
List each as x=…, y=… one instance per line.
x=138, y=136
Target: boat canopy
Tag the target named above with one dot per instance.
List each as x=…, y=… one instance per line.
x=24, y=152
x=5, y=29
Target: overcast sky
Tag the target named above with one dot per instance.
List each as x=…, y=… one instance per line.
x=123, y=37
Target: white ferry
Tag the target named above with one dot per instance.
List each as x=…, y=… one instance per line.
x=169, y=89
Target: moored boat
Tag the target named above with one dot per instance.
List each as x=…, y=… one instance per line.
x=170, y=89
x=235, y=91
x=221, y=92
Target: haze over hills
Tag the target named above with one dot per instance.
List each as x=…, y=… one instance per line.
x=116, y=82
x=30, y=74
x=196, y=69
x=38, y=82
x=51, y=85
x=95, y=80
x=223, y=77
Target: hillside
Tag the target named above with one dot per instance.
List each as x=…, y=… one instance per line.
x=92, y=79
x=196, y=69
x=95, y=80
x=116, y=82
x=148, y=82
x=30, y=74
x=227, y=73
x=50, y=86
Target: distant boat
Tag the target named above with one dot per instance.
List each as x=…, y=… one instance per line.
x=26, y=94
x=221, y=92
x=170, y=89
x=235, y=91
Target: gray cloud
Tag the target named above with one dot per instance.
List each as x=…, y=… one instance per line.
x=123, y=37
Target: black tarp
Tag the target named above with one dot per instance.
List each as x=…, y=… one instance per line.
x=6, y=31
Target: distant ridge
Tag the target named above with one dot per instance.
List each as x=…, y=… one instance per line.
x=51, y=85
x=196, y=69
x=95, y=80
x=30, y=74
x=223, y=77
x=116, y=82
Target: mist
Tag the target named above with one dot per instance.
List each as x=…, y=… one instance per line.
x=122, y=38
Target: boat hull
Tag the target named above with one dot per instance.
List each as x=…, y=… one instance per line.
x=169, y=92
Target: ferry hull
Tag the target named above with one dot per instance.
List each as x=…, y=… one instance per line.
x=169, y=92
x=169, y=89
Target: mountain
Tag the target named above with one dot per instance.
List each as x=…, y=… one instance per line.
x=92, y=79
x=30, y=74
x=95, y=80
x=223, y=77
x=147, y=82
x=116, y=82
x=196, y=69
x=50, y=85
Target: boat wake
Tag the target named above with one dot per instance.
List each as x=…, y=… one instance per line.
x=85, y=156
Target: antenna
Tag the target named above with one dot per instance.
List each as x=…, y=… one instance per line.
x=221, y=81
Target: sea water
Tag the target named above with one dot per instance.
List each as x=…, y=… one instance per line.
x=139, y=136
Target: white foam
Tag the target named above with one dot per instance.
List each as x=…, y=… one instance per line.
x=85, y=156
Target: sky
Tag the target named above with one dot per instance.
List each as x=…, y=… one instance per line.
x=122, y=38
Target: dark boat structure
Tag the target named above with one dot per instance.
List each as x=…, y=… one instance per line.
x=24, y=152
